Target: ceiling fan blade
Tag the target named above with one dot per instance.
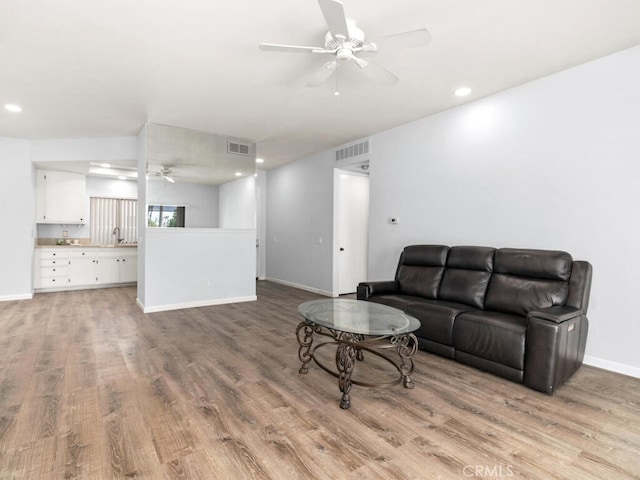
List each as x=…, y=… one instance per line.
x=273, y=47
x=323, y=74
x=379, y=74
x=414, y=38
x=333, y=12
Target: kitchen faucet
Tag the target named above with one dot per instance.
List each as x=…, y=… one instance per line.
x=116, y=232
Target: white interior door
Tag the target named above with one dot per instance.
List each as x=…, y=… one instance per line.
x=353, y=230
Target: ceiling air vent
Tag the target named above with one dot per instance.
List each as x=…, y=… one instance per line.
x=356, y=151
x=237, y=148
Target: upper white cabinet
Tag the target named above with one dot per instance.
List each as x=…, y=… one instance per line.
x=61, y=197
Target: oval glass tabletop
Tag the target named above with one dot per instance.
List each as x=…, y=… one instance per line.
x=358, y=316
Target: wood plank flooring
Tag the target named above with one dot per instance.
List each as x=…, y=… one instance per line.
x=91, y=388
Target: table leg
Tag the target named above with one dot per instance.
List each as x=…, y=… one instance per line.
x=304, y=333
x=345, y=356
x=406, y=346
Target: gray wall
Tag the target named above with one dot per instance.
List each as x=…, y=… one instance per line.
x=551, y=164
x=299, y=241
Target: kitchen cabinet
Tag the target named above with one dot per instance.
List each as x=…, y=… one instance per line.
x=62, y=268
x=52, y=270
x=61, y=197
x=117, y=265
x=82, y=267
x=129, y=267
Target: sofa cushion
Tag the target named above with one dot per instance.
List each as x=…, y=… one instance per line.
x=471, y=258
x=519, y=295
x=396, y=301
x=494, y=336
x=549, y=264
x=420, y=270
x=464, y=286
x=436, y=319
x=467, y=275
x=525, y=280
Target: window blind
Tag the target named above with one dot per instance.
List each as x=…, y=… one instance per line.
x=113, y=220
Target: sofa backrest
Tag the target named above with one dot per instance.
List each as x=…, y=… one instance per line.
x=524, y=280
x=508, y=280
x=420, y=270
x=467, y=275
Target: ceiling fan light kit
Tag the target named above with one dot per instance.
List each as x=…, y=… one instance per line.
x=345, y=41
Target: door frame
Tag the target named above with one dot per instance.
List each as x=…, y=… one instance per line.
x=336, y=233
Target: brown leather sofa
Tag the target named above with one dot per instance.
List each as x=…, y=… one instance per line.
x=517, y=313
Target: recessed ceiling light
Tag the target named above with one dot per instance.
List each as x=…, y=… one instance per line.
x=238, y=174
x=462, y=91
x=12, y=107
x=259, y=160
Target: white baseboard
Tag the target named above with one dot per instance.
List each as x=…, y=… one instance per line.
x=22, y=296
x=612, y=366
x=200, y=303
x=302, y=287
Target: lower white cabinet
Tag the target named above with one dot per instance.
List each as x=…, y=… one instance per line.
x=82, y=268
x=119, y=266
x=61, y=267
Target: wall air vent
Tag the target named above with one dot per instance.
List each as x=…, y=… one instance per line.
x=237, y=148
x=355, y=152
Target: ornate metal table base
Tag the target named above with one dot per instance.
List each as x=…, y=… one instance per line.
x=350, y=348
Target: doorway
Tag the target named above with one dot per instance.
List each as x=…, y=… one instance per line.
x=351, y=219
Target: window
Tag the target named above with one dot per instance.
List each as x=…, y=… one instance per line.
x=114, y=220
x=165, y=216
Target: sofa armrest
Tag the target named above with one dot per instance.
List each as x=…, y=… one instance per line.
x=367, y=289
x=554, y=347
x=556, y=314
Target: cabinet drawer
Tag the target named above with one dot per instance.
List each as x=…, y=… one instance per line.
x=49, y=282
x=52, y=255
x=54, y=271
x=54, y=262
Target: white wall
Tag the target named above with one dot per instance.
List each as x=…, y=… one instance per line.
x=551, y=164
x=17, y=196
x=197, y=267
x=191, y=267
x=300, y=223
x=84, y=149
x=261, y=221
x=141, y=155
x=201, y=201
x=238, y=203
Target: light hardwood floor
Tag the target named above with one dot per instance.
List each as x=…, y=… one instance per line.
x=91, y=388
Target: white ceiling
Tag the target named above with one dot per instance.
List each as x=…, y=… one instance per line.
x=102, y=68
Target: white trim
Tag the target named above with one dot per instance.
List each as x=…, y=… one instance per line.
x=84, y=287
x=612, y=366
x=303, y=287
x=11, y=298
x=200, y=303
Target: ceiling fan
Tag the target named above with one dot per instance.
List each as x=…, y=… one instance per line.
x=165, y=173
x=345, y=41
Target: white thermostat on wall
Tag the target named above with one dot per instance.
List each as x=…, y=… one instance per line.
x=394, y=220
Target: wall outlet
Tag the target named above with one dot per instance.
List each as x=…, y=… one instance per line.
x=65, y=233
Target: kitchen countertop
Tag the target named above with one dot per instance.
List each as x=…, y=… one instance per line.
x=120, y=245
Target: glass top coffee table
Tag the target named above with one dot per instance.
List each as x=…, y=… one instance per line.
x=356, y=326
